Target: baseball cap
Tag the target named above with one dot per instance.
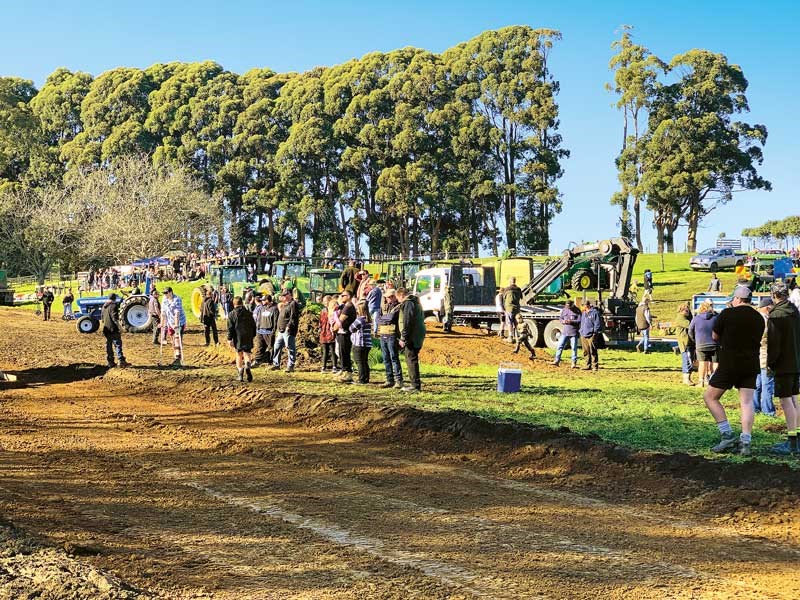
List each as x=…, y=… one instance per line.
x=742, y=291
x=390, y=292
x=779, y=289
x=765, y=301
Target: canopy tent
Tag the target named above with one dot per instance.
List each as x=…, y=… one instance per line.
x=158, y=261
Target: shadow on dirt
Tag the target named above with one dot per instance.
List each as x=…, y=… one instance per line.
x=53, y=375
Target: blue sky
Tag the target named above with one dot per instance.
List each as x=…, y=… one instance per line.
x=40, y=36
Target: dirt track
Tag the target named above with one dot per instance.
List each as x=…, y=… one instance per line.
x=154, y=483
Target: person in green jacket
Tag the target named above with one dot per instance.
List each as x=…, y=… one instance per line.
x=682, y=322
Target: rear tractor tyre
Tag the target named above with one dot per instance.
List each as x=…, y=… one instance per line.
x=197, y=300
x=134, y=316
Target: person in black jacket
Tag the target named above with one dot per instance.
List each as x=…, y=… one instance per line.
x=347, y=314
x=109, y=316
x=47, y=302
x=288, y=323
x=208, y=317
x=783, y=360
x=266, y=318
x=241, y=331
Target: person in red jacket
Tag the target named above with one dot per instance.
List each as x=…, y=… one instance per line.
x=326, y=337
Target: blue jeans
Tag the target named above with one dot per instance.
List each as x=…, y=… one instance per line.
x=686, y=362
x=374, y=316
x=114, y=346
x=284, y=339
x=645, y=339
x=562, y=342
x=765, y=390
x=391, y=359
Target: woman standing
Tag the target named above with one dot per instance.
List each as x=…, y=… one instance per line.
x=326, y=336
x=700, y=332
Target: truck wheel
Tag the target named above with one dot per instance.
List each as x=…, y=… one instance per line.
x=583, y=280
x=134, y=316
x=552, y=333
x=87, y=324
x=739, y=263
x=714, y=267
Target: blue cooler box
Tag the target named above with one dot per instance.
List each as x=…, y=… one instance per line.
x=509, y=377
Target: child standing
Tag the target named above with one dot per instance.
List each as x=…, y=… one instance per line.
x=361, y=337
x=523, y=336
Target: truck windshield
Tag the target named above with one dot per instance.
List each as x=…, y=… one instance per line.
x=711, y=251
x=422, y=285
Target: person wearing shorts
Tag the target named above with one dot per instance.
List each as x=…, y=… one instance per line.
x=241, y=333
x=738, y=332
x=783, y=361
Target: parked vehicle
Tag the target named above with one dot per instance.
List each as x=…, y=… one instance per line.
x=6, y=293
x=717, y=259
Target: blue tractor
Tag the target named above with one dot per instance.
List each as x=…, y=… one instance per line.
x=133, y=314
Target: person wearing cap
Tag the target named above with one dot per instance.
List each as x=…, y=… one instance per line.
x=783, y=360
x=738, y=332
x=154, y=309
x=590, y=327
x=266, y=318
x=389, y=335
x=765, y=382
x=287, y=326
x=109, y=317
x=174, y=322
x=411, y=325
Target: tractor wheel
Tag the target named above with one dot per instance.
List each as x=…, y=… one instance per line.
x=552, y=333
x=134, y=316
x=583, y=280
x=197, y=300
x=265, y=286
x=87, y=324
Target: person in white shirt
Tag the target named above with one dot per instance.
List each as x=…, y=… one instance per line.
x=173, y=320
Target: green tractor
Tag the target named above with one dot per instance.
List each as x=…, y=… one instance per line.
x=232, y=277
x=400, y=272
x=291, y=274
x=6, y=293
x=323, y=282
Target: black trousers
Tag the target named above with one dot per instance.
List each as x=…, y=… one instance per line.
x=210, y=327
x=345, y=346
x=589, y=351
x=46, y=311
x=329, y=355
x=412, y=363
x=526, y=343
x=362, y=360
x=264, y=343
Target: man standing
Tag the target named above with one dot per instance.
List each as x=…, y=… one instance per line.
x=387, y=330
x=347, y=314
x=47, y=302
x=738, y=332
x=241, y=331
x=374, y=300
x=715, y=285
x=644, y=320
x=266, y=318
x=174, y=322
x=109, y=316
x=765, y=382
x=512, y=299
x=154, y=309
x=411, y=323
x=288, y=322
x=447, y=320
x=570, y=318
x=208, y=317
x=348, y=279
x=783, y=360
x=591, y=326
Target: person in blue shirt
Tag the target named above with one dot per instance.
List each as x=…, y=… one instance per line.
x=591, y=326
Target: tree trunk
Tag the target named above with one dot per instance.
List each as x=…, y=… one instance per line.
x=693, y=220
x=345, y=239
x=637, y=219
x=659, y=239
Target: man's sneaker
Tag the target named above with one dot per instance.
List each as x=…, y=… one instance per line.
x=398, y=385
x=574, y=365
x=386, y=385
x=124, y=364
x=727, y=442
x=240, y=375
x=323, y=370
x=555, y=363
x=290, y=369
x=336, y=370
x=249, y=374
x=111, y=365
x=782, y=449
x=744, y=449
x=254, y=364
x=409, y=389
x=587, y=368
x=346, y=378
x=274, y=368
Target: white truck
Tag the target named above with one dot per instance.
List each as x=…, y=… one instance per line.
x=716, y=259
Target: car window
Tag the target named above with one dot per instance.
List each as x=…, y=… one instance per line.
x=437, y=283
x=422, y=285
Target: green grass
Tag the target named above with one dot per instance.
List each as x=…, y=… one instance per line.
x=636, y=401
